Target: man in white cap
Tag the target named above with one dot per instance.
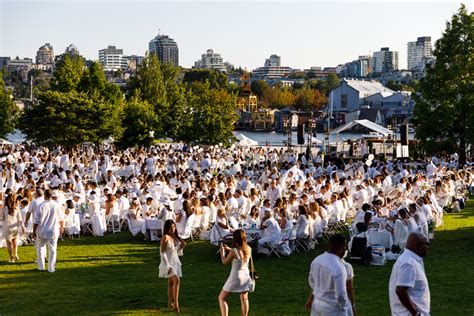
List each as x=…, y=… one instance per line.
x=47, y=228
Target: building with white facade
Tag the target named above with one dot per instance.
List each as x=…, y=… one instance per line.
x=45, y=55
x=272, y=69
x=112, y=59
x=385, y=60
x=211, y=60
x=419, y=53
x=354, y=95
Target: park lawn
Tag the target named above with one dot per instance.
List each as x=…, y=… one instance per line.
x=117, y=274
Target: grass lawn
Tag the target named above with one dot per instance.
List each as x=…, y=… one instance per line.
x=117, y=274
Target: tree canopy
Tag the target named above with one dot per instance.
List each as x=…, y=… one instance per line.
x=8, y=111
x=80, y=107
x=444, y=111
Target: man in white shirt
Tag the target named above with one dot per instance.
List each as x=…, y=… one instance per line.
x=273, y=192
x=47, y=228
x=408, y=288
x=111, y=182
x=327, y=278
x=34, y=205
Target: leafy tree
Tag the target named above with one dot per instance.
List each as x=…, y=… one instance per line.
x=320, y=85
x=259, y=87
x=71, y=118
x=8, y=110
x=444, y=111
x=279, y=97
x=332, y=81
x=210, y=116
x=399, y=86
x=216, y=79
x=308, y=99
x=148, y=83
x=139, y=120
x=297, y=75
x=68, y=73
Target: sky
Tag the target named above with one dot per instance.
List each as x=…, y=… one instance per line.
x=245, y=33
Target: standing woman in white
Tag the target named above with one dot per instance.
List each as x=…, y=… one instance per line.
x=12, y=225
x=170, y=266
x=239, y=278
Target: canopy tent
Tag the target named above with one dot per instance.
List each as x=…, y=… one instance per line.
x=366, y=123
x=245, y=141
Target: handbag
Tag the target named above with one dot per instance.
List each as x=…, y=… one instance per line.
x=253, y=276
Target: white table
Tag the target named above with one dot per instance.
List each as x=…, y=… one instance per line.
x=152, y=225
x=380, y=237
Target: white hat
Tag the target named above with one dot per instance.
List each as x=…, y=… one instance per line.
x=77, y=195
x=55, y=194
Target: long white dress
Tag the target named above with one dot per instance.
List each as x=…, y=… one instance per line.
x=239, y=277
x=170, y=259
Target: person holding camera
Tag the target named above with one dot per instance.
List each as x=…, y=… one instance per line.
x=239, y=278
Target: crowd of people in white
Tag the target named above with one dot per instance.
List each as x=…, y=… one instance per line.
x=284, y=201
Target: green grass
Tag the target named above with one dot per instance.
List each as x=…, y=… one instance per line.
x=117, y=274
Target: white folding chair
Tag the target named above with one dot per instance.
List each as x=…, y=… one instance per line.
x=113, y=224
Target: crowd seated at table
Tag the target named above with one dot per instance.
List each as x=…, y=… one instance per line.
x=285, y=203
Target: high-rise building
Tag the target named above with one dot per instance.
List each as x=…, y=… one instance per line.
x=385, y=60
x=273, y=61
x=419, y=53
x=272, y=69
x=211, y=60
x=112, y=59
x=45, y=55
x=71, y=50
x=165, y=48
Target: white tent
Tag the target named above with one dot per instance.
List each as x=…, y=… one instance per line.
x=245, y=141
x=366, y=123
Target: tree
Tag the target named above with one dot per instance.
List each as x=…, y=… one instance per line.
x=332, y=81
x=308, y=99
x=279, y=97
x=68, y=73
x=71, y=118
x=216, y=79
x=8, y=110
x=148, y=83
x=139, y=120
x=259, y=87
x=391, y=84
x=210, y=116
x=444, y=111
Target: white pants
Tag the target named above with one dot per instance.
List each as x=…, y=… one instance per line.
x=41, y=253
x=322, y=309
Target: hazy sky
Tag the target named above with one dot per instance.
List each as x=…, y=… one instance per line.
x=304, y=34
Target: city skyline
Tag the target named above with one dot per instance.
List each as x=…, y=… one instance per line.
x=296, y=35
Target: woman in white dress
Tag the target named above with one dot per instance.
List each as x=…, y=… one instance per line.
x=400, y=231
x=239, y=278
x=12, y=224
x=170, y=266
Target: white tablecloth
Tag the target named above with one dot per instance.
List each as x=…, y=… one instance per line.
x=381, y=237
x=152, y=226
